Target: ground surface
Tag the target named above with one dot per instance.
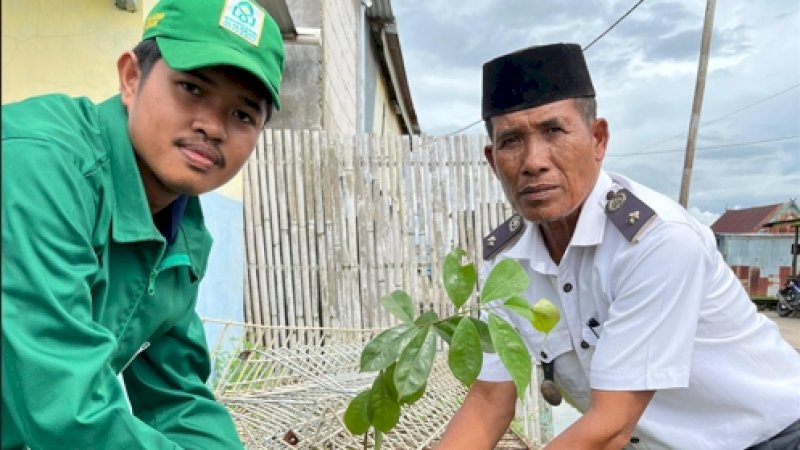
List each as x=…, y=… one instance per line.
x=789, y=326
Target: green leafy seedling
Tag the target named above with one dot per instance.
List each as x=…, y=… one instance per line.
x=403, y=355
x=459, y=280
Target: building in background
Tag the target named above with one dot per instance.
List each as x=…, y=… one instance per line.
x=760, y=256
x=344, y=74
x=344, y=68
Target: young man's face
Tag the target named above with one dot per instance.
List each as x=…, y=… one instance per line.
x=192, y=131
x=547, y=159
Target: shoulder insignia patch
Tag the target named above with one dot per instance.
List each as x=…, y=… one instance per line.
x=501, y=237
x=628, y=213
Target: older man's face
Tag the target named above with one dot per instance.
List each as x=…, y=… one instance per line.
x=547, y=159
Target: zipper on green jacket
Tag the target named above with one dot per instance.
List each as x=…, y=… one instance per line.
x=178, y=259
x=142, y=348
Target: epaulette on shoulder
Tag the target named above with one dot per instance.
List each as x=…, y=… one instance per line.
x=628, y=213
x=501, y=237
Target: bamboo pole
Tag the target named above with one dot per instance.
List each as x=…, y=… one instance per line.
x=330, y=166
x=309, y=178
x=250, y=280
x=439, y=185
x=320, y=238
x=268, y=214
x=304, y=269
x=259, y=311
x=412, y=218
x=359, y=250
x=382, y=218
x=280, y=232
x=349, y=256
x=288, y=215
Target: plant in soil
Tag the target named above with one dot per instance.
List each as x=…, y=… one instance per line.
x=403, y=355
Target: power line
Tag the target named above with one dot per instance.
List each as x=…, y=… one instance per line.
x=463, y=128
x=757, y=102
x=753, y=104
x=613, y=25
x=710, y=147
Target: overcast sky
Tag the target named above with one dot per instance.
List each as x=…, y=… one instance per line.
x=644, y=72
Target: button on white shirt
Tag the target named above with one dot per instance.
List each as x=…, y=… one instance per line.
x=663, y=313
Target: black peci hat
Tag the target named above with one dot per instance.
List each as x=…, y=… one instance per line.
x=534, y=76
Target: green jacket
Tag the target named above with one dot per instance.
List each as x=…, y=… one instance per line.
x=91, y=289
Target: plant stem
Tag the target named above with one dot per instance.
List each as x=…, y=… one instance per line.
x=378, y=440
x=460, y=313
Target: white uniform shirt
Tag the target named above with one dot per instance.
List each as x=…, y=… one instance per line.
x=672, y=318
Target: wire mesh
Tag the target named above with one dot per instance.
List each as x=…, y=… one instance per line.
x=289, y=388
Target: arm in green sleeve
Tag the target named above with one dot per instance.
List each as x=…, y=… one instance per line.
x=58, y=388
x=166, y=387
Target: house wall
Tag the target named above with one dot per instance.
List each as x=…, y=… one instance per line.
x=761, y=261
x=301, y=88
x=340, y=65
x=67, y=46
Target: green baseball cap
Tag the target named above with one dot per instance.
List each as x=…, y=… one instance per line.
x=193, y=34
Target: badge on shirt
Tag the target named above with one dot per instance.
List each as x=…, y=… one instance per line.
x=628, y=213
x=501, y=237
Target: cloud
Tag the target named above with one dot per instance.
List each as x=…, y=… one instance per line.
x=704, y=217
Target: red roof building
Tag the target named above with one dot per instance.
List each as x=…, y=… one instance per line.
x=752, y=220
x=759, y=256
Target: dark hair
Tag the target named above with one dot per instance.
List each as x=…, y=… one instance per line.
x=586, y=105
x=148, y=54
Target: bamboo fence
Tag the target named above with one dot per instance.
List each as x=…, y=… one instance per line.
x=333, y=223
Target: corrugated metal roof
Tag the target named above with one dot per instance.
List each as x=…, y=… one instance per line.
x=748, y=220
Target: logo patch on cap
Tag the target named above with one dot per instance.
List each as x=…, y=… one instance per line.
x=244, y=19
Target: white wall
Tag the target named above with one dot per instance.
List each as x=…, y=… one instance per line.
x=340, y=65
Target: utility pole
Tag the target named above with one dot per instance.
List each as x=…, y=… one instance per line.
x=699, y=88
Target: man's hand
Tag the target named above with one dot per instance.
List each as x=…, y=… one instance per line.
x=608, y=424
x=483, y=418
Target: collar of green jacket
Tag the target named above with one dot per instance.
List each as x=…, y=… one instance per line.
x=131, y=219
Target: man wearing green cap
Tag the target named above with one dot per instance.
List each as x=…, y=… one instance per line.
x=104, y=242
